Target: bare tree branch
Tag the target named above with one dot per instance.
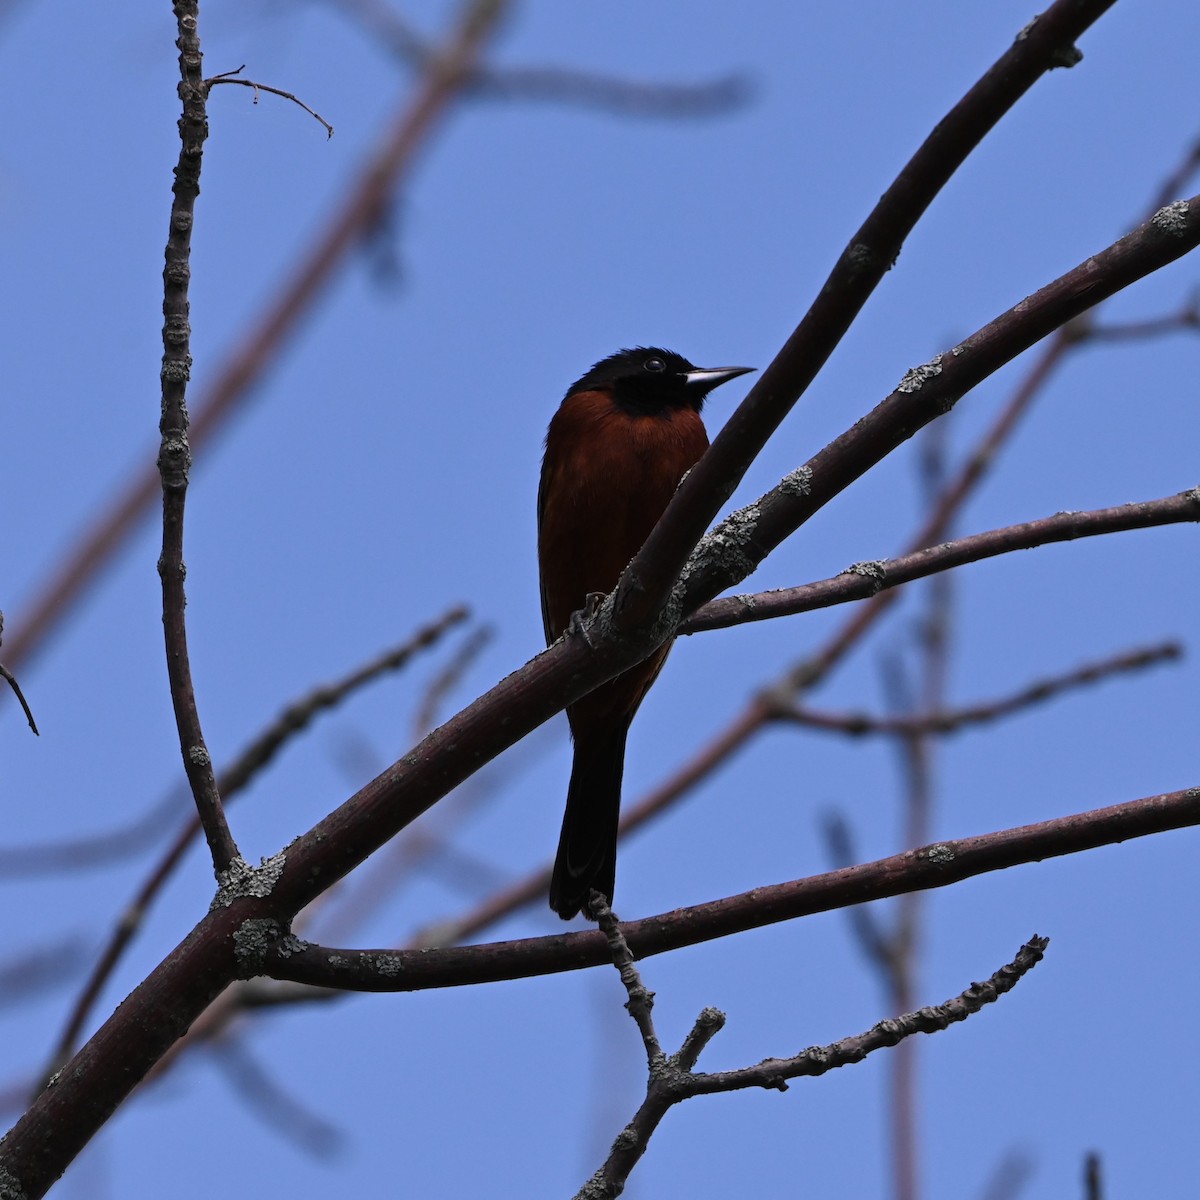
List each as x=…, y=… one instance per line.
x=938, y=865
x=865, y=580
x=640, y=1004
x=252, y=908
x=7, y=675
x=739, y=543
x=234, y=381
x=672, y=1080
x=953, y=497
x=228, y=77
x=873, y=940
x=175, y=455
x=97, y=849
x=1047, y=43
x=94, y=849
x=932, y=640
x=954, y=719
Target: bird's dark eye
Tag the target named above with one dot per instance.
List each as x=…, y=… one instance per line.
x=654, y=364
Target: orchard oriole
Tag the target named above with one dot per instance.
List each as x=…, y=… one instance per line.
x=623, y=438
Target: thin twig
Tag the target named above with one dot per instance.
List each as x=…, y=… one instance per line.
x=933, y=639
x=819, y=1060
x=640, y=1002
x=16, y=687
x=228, y=77
x=738, y=544
x=954, y=719
x=982, y=457
x=175, y=456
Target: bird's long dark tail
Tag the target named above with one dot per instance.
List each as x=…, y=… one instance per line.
x=587, y=846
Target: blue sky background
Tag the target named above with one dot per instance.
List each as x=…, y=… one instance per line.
x=387, y=468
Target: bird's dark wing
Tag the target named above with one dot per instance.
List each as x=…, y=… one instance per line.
x=541, y=508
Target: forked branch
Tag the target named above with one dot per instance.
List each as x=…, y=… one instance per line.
x=672, y=1079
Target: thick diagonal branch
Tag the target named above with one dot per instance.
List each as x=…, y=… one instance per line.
x=1046, y=43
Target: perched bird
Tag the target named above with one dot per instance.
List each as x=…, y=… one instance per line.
x=625, y=435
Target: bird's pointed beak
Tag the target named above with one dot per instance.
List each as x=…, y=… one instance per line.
x=704, y=379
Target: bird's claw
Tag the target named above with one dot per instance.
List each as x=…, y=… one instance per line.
x=578, y=623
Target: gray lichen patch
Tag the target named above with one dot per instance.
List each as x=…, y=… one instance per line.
x=10, y=1186
x=916, y=378
x=251, y=943
x=727, y=547
x=240, y=879
x=874, y=571
x=1172, y=218
x=941, y=854
x=797, y=482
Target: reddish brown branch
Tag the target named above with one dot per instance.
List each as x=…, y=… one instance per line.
x=938, y=865
x=868, y=579
x=1046, y=43
x=849, y=586
x=938, y=522
x=92, y=849
x=928, y=694
x=155, y=1015
x=744, y=539
x=532, y=889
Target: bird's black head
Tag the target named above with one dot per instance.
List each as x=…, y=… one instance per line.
x=647, y=380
